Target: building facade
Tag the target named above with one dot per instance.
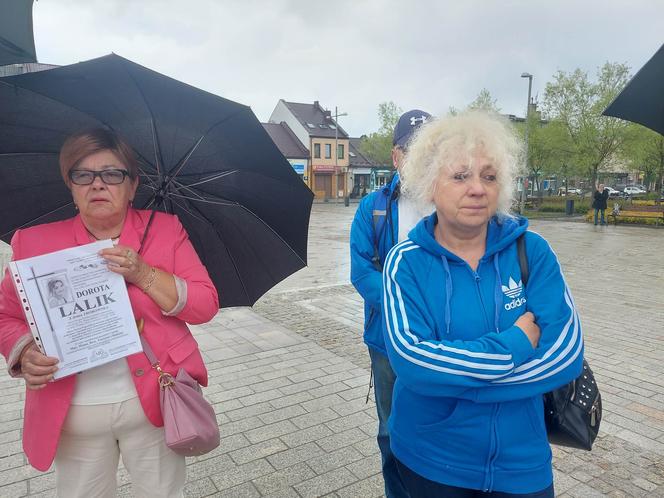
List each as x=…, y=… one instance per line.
x=327, y=143
x=290, y=146
x=361, y=170
x=26, y=67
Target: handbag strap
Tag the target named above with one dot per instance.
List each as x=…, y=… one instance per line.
x=148, y=351
x=152, y=358
x=139, y=323
x=165, y=379
x=145, y=233
x=523, y=258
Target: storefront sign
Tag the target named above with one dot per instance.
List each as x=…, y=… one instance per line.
x=298, y=167
x=323, y=168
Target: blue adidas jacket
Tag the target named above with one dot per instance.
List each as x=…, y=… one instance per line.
x=467, y=407
x=363, y=274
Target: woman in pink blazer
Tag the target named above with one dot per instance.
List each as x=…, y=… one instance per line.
x=85, y=422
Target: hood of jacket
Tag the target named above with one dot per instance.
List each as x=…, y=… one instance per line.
x=501, y=232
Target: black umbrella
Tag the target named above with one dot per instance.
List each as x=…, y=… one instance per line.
x=642, y=99
x=202, y=157
x=17, y=43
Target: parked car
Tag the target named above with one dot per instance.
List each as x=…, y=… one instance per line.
x=613, y=192
x=633, y=190
x=570, y=191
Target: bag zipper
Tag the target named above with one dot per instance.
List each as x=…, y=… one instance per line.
x=593, y=413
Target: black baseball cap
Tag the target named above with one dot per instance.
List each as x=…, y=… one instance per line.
x=407, y=124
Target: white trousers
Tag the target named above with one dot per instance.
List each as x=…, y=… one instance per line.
x=92, y=440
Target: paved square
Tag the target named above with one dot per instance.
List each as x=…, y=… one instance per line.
x=289, y=378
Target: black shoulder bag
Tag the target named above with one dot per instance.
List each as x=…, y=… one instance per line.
x=572, y=412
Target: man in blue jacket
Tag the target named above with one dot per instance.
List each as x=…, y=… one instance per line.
x=383, y=218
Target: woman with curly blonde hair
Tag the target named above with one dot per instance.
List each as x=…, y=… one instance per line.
x=473, y=348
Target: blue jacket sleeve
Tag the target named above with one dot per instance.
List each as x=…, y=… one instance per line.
x=435, y=367
x=496, y=367
x=363, y=275
x=558, y=358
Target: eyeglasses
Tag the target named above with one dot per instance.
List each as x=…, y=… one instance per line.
x=108, y=176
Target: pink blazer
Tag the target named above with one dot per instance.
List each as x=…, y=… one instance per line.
x=167, y=247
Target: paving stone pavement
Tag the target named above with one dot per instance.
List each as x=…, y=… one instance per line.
x=289, y=377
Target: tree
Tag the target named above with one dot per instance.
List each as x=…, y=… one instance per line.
x=645, y=151
x=378, y=145
x=578, y=103
x=485, y=102
x=388, y=114
x=550, y=150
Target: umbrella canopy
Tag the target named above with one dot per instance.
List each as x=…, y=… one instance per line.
x=17, y=43
x=642, y=100
x=202, y=157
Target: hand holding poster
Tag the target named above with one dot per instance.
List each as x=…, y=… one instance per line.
x=77, y=309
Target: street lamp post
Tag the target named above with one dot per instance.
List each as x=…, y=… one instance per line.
x=523, y=185
x=336, y=152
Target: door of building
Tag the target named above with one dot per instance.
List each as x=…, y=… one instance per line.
x=323, y=185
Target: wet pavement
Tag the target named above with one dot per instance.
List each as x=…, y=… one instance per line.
x=289, y=377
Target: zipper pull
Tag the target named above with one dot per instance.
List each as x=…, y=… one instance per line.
x=593, y=415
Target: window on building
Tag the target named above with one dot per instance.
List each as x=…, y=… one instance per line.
x=352, y=154
x=332, y=126
x=310, y=125
x=322, y=126
x=317, y=151
x=340, y=151
x=328, y=151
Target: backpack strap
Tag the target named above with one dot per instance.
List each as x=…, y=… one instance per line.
x=523, y=258
x=382, y=204
x=379, y=216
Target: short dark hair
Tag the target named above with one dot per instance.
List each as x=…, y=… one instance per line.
x=84, y=143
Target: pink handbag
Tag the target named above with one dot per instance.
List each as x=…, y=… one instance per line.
x=190, y=424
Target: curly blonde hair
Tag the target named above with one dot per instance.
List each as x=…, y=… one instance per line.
x=442, y=143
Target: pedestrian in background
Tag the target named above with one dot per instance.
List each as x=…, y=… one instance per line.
x=600, y=198
x=382, y=219
x=473, y=348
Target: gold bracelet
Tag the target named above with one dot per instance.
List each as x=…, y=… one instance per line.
x=151, y=279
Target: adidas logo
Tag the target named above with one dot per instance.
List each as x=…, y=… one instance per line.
x=513, y=291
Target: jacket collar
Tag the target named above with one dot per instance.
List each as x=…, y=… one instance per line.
x=131, y=234
x=392, y=185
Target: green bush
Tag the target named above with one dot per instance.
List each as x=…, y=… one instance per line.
x=651, y=200
x=581, y=207
x=550, y=206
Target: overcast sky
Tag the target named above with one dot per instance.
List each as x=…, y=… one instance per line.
x=355, y=54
